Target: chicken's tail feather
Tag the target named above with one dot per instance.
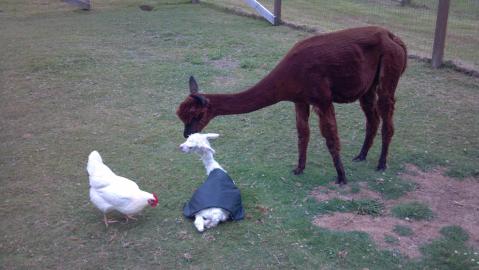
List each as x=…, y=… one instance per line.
x=94, y=159
x=95, y=156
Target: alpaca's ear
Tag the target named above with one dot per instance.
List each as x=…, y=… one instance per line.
x=200, y=99
x=212, y=135
x=193, y=86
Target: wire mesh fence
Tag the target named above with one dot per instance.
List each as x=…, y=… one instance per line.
x=413, y=21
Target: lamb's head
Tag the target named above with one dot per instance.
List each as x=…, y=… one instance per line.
x=194, y=111
x=198, y=143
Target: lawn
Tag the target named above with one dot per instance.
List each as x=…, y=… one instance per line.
x=111, y=79
x=415, y=23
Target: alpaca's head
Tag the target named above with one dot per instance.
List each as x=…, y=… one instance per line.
x=198, y=143
x=194, y=111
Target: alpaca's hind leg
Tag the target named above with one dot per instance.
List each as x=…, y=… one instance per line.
x=387, y=86
x=386, y=109
x=329, y=130
x=369, y=106
x=302, y=126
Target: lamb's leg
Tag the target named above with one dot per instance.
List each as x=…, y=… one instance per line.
x=215, y=218
x=302, y=126
x=369, y=106
x=212, y=223
x=199, y=223
x=328, y=127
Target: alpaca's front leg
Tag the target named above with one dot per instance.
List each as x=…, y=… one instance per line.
x=302, y=126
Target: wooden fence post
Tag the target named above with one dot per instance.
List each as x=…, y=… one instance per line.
x=277, y=12
x=440, y=33
x=404, y=2
x=83, y=4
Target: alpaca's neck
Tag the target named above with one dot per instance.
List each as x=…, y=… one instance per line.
x=209, y=162
x=263, y=94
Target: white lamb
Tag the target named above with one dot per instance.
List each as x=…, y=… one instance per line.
x=218, y=190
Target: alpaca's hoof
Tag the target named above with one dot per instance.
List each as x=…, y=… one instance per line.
x=298, y=171
x=146, y=7
x=381, y=167
x=341, y=181
x=359, y=158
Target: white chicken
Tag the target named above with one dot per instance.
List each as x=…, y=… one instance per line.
x=109, y=192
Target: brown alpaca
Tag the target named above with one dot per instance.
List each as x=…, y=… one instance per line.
x=361, y=63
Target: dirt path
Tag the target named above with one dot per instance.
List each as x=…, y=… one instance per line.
x=454, y=202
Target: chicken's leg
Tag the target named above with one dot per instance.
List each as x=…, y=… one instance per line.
x=108, y=221
x=127, y=217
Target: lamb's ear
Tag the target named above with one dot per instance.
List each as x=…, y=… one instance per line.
x=206, y=147
x=212, y=135
x=193, y=86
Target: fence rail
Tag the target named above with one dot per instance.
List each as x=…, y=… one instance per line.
x=83, y=4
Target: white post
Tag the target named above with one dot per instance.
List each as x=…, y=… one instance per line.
x=261, y=10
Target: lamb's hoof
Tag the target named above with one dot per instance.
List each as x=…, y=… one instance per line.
x=298, y=171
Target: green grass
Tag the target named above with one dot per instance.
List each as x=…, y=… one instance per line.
x=415, y=24
x=111, y=79
x=390, y=239
x=403, y=230
x=413, y=211
x=449, y=252
x=360, y=207
x=455, y=233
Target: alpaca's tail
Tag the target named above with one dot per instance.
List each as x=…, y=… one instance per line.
x=399, y=42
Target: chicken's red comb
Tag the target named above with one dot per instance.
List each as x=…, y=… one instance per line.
x=156, y=197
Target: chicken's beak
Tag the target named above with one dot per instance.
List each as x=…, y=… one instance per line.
x=154, y=203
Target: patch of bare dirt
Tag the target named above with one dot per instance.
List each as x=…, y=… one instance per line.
x=454, y=202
